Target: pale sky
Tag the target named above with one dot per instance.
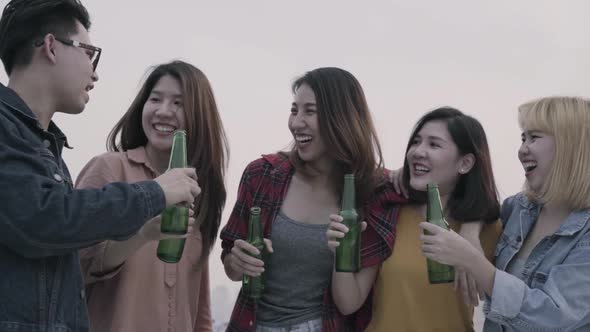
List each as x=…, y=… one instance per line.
x=484, y=58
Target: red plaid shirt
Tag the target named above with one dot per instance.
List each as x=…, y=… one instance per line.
x=264, y=183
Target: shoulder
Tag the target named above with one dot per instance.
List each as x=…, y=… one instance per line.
x=9, y=122
x=102, y=169
x=111, y=160
x=581, y=220
x=514, y=203
x=268, y=163
x=5, y=113
x=384, y=192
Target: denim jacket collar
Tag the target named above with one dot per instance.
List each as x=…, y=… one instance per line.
x=13, y=101
x=574, y=223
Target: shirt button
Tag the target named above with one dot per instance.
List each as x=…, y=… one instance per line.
x=57, y=177
x=251, y=323
x=82, y=294
x=46, y=143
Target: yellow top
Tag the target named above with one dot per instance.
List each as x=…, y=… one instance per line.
x=405, y=301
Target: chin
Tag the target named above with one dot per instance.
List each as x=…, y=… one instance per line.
x=74, y=110
x=161, y=147
x=533, y=188
x=304, y=156
x=79, y=110
x=418, y=185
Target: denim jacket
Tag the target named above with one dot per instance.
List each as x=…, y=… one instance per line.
x=555, y=292
x=44, y=221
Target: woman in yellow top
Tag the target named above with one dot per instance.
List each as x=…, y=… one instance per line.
x=450, y=149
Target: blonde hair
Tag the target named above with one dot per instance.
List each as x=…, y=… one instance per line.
x=567, y=119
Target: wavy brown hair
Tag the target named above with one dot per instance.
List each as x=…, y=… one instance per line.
x=207, y=145
x=346, y=127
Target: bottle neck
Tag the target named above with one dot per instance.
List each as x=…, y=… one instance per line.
x=434, y=209
x=178, y=158
x=348, y=195
x=254, y=227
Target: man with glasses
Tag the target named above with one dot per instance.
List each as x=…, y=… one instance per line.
x=51, y=63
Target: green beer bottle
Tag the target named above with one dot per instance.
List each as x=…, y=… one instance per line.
x=175, y=218
x=253, y=286
x=348, y=253
x=437, y=273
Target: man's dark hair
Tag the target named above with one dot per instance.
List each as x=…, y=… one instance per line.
x=24, y=22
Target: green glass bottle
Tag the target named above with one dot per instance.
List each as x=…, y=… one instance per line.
x=437, y=273
x=253, y=286
x=175, y=218
x=348, y=253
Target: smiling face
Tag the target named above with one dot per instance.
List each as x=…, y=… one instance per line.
x=305, y=128
x=433, y=157
x=163, y=114
x=536, y=155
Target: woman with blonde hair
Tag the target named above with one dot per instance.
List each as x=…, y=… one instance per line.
x=541, y=276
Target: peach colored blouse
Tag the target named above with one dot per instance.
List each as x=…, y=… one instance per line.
x=144, y=293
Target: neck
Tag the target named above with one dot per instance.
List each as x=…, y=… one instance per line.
x=554, y=211
x=32, y=87
x=320, y=168
x=320, y=172
x=158, y=159
x=444, y=199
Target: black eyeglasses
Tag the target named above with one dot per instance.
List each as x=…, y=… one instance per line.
x=95, y=51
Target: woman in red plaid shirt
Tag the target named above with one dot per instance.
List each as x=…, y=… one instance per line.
x=297, y=190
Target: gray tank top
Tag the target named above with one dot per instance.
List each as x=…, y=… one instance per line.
x=297, y=273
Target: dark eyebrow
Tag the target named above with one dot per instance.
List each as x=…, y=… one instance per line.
x=437, y=138
x=306, y=104
x=159, y=93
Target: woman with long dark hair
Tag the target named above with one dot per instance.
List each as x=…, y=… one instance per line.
x=128, y=288
x=297, y=190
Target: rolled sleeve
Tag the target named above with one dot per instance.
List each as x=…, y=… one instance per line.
x=507, y=296
x=558, y=304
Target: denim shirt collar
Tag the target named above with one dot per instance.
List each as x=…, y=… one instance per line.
x=575, y=222
x=12, y=100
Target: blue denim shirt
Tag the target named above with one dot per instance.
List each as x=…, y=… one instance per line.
x=554, y=294
x=44, y=221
